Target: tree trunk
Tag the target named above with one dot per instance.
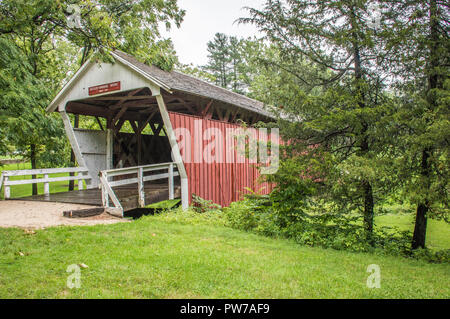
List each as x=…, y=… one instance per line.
x=33, y=166
x=366, y=187
x=420, y=228
x=72, y=163
x=72, y=155
x=368, y=198
x=368, y=207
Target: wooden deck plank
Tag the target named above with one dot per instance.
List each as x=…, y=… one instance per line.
x=128, y=196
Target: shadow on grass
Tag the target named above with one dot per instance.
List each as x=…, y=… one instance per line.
x=139, y=212
x=152, y=209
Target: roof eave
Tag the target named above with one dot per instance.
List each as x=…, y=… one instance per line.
x=262, y=112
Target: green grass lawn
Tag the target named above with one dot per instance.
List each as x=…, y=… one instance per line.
x=188, y=256
x=18, y=191
x=170, y=256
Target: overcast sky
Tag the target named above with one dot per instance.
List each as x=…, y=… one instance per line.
x=203, y=19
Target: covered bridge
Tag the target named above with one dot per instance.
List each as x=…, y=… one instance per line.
x=181, y=130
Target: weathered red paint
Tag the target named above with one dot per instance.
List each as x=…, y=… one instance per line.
x=222, y=183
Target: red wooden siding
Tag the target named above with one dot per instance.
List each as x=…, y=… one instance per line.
x=220, y=182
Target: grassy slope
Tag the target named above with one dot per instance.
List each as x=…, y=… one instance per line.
x=25, y=190
x=438, y=232
x=188, y=260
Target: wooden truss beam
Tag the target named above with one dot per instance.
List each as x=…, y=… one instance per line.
x=142, y=125
x=133, y=104
x=121, y=98
x=186, y=105
x=119, y=114
x=99, y=123
x=206, y=111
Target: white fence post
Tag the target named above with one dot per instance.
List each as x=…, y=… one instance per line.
x=108, y=183
x=7, y=188
x=171, y=186
x=83, y=174
x=80, y=182
x=110, y=192
x=141, y=187
x=105, y=196
x=46, y=185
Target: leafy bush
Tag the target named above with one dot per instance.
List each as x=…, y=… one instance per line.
x=201, y=205
x=311, y=222
x=259, y=214
x=432, y=256
x=249, y=214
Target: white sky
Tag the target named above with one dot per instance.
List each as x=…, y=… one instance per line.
x=203, y=19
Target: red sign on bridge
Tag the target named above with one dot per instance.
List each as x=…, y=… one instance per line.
x=104, y=88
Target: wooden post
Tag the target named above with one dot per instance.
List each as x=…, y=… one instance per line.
x=74, y=143
x=175, y=151
x=81, y=213
x=109, y=148
x=7, y=188
x=76, y=124
x=80, y=182
x=141, y=187
x=139, y=143
x=105, y=197
x=171, y=187
x=46, y=186
x=72, y=139
x=109, y=191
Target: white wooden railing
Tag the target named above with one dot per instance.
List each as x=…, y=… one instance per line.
x=6, y=182
x=107, y=183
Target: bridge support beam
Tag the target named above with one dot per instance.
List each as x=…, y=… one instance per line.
x=175, y=152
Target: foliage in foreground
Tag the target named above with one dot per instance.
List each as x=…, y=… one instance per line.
x=372, y=97
x=42, y=44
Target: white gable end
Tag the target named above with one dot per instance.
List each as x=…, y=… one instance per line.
x=95, y=74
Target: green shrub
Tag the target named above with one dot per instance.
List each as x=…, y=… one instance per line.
x=248, y=214
x=201, y=205
x=310, y=223
x=440, y=256
x=258, y=214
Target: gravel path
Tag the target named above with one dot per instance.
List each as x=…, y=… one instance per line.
x=37, y=215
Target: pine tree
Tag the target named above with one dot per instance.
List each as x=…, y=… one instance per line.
x=419, y=60
x=219, y=59
x=334, y=38
x=236, y=60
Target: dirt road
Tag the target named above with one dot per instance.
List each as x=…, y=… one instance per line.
x=37, y=215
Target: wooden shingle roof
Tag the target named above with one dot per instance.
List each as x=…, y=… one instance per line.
x=178, y=81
